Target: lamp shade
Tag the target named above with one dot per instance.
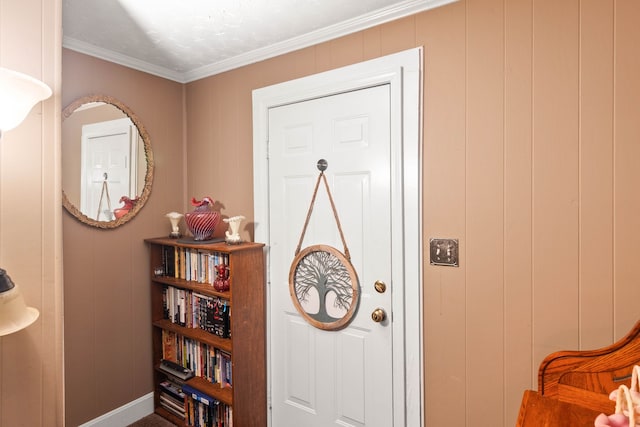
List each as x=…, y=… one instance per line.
x=14, y=314
x=18, y=94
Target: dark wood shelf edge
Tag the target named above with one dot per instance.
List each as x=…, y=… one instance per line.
x=221, y=394
x=214, y=391
x=214, y=246
x=204, y=288
x=223, y=344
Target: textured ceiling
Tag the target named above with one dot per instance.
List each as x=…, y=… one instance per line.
x=185, y=40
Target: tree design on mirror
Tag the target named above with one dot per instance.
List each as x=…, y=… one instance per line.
x=95, y=172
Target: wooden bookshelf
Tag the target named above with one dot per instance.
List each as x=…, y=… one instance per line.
x=246, y=301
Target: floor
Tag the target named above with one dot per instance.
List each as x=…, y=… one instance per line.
x=152, y=420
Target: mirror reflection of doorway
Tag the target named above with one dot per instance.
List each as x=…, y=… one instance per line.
x=107, y=152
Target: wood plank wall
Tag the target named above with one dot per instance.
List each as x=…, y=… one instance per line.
x=31, y=363
x=530, y=154
x=538, y=144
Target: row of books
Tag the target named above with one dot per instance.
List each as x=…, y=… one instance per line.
x=204, y=411
x=172, y=398
x=195, y=310
x=193, y=406
x=204, y=360
x=192, y=264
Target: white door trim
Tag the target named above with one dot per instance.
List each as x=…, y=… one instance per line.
x=403, y=72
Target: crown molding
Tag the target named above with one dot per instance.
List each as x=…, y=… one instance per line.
x=381, y=16
x=118, y=58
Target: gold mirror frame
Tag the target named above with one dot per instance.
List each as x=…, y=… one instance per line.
x=148, y=178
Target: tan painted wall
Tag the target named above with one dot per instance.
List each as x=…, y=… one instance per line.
x=107, y=311
x=31, y=364
x=529, y=154
x=530, y=142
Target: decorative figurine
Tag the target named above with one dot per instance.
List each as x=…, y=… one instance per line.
x=128, y=205
x=232, y=235
x=202, y=220
x=174, y=218
x=222, y=282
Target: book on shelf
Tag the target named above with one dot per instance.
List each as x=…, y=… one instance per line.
x=203, y=410
x=171, y=398
x=169, y=261
x=200, y=415
x=198, y=395
x=196, y=265
x=199, y=309
x=218, y=317
x=169, y=345
x=223, y=366
x=171, y=408
x=196, y=310
x=171, y=404
x=173, y=389
x=204, y=360
x=176, y=370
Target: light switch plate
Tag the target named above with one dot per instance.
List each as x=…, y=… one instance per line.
x=443, y=252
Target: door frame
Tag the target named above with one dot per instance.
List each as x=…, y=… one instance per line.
x=403, y=72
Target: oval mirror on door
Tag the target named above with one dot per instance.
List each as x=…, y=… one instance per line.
x=107, y=163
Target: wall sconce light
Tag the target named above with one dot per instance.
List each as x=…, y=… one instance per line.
x=18, y=94
x=14, y=314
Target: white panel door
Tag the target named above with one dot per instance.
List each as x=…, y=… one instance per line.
x=322, y=378
x=105, y=173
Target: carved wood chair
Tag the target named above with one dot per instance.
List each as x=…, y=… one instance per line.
x=574, y=386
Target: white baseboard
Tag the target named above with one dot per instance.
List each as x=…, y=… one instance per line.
x=124, y=415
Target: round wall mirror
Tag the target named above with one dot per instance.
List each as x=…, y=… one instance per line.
x=107, y=163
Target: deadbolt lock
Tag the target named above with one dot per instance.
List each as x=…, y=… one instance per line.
x=378, y=315
x=380, y=286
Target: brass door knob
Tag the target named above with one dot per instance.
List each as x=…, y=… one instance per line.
x=378, y=315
